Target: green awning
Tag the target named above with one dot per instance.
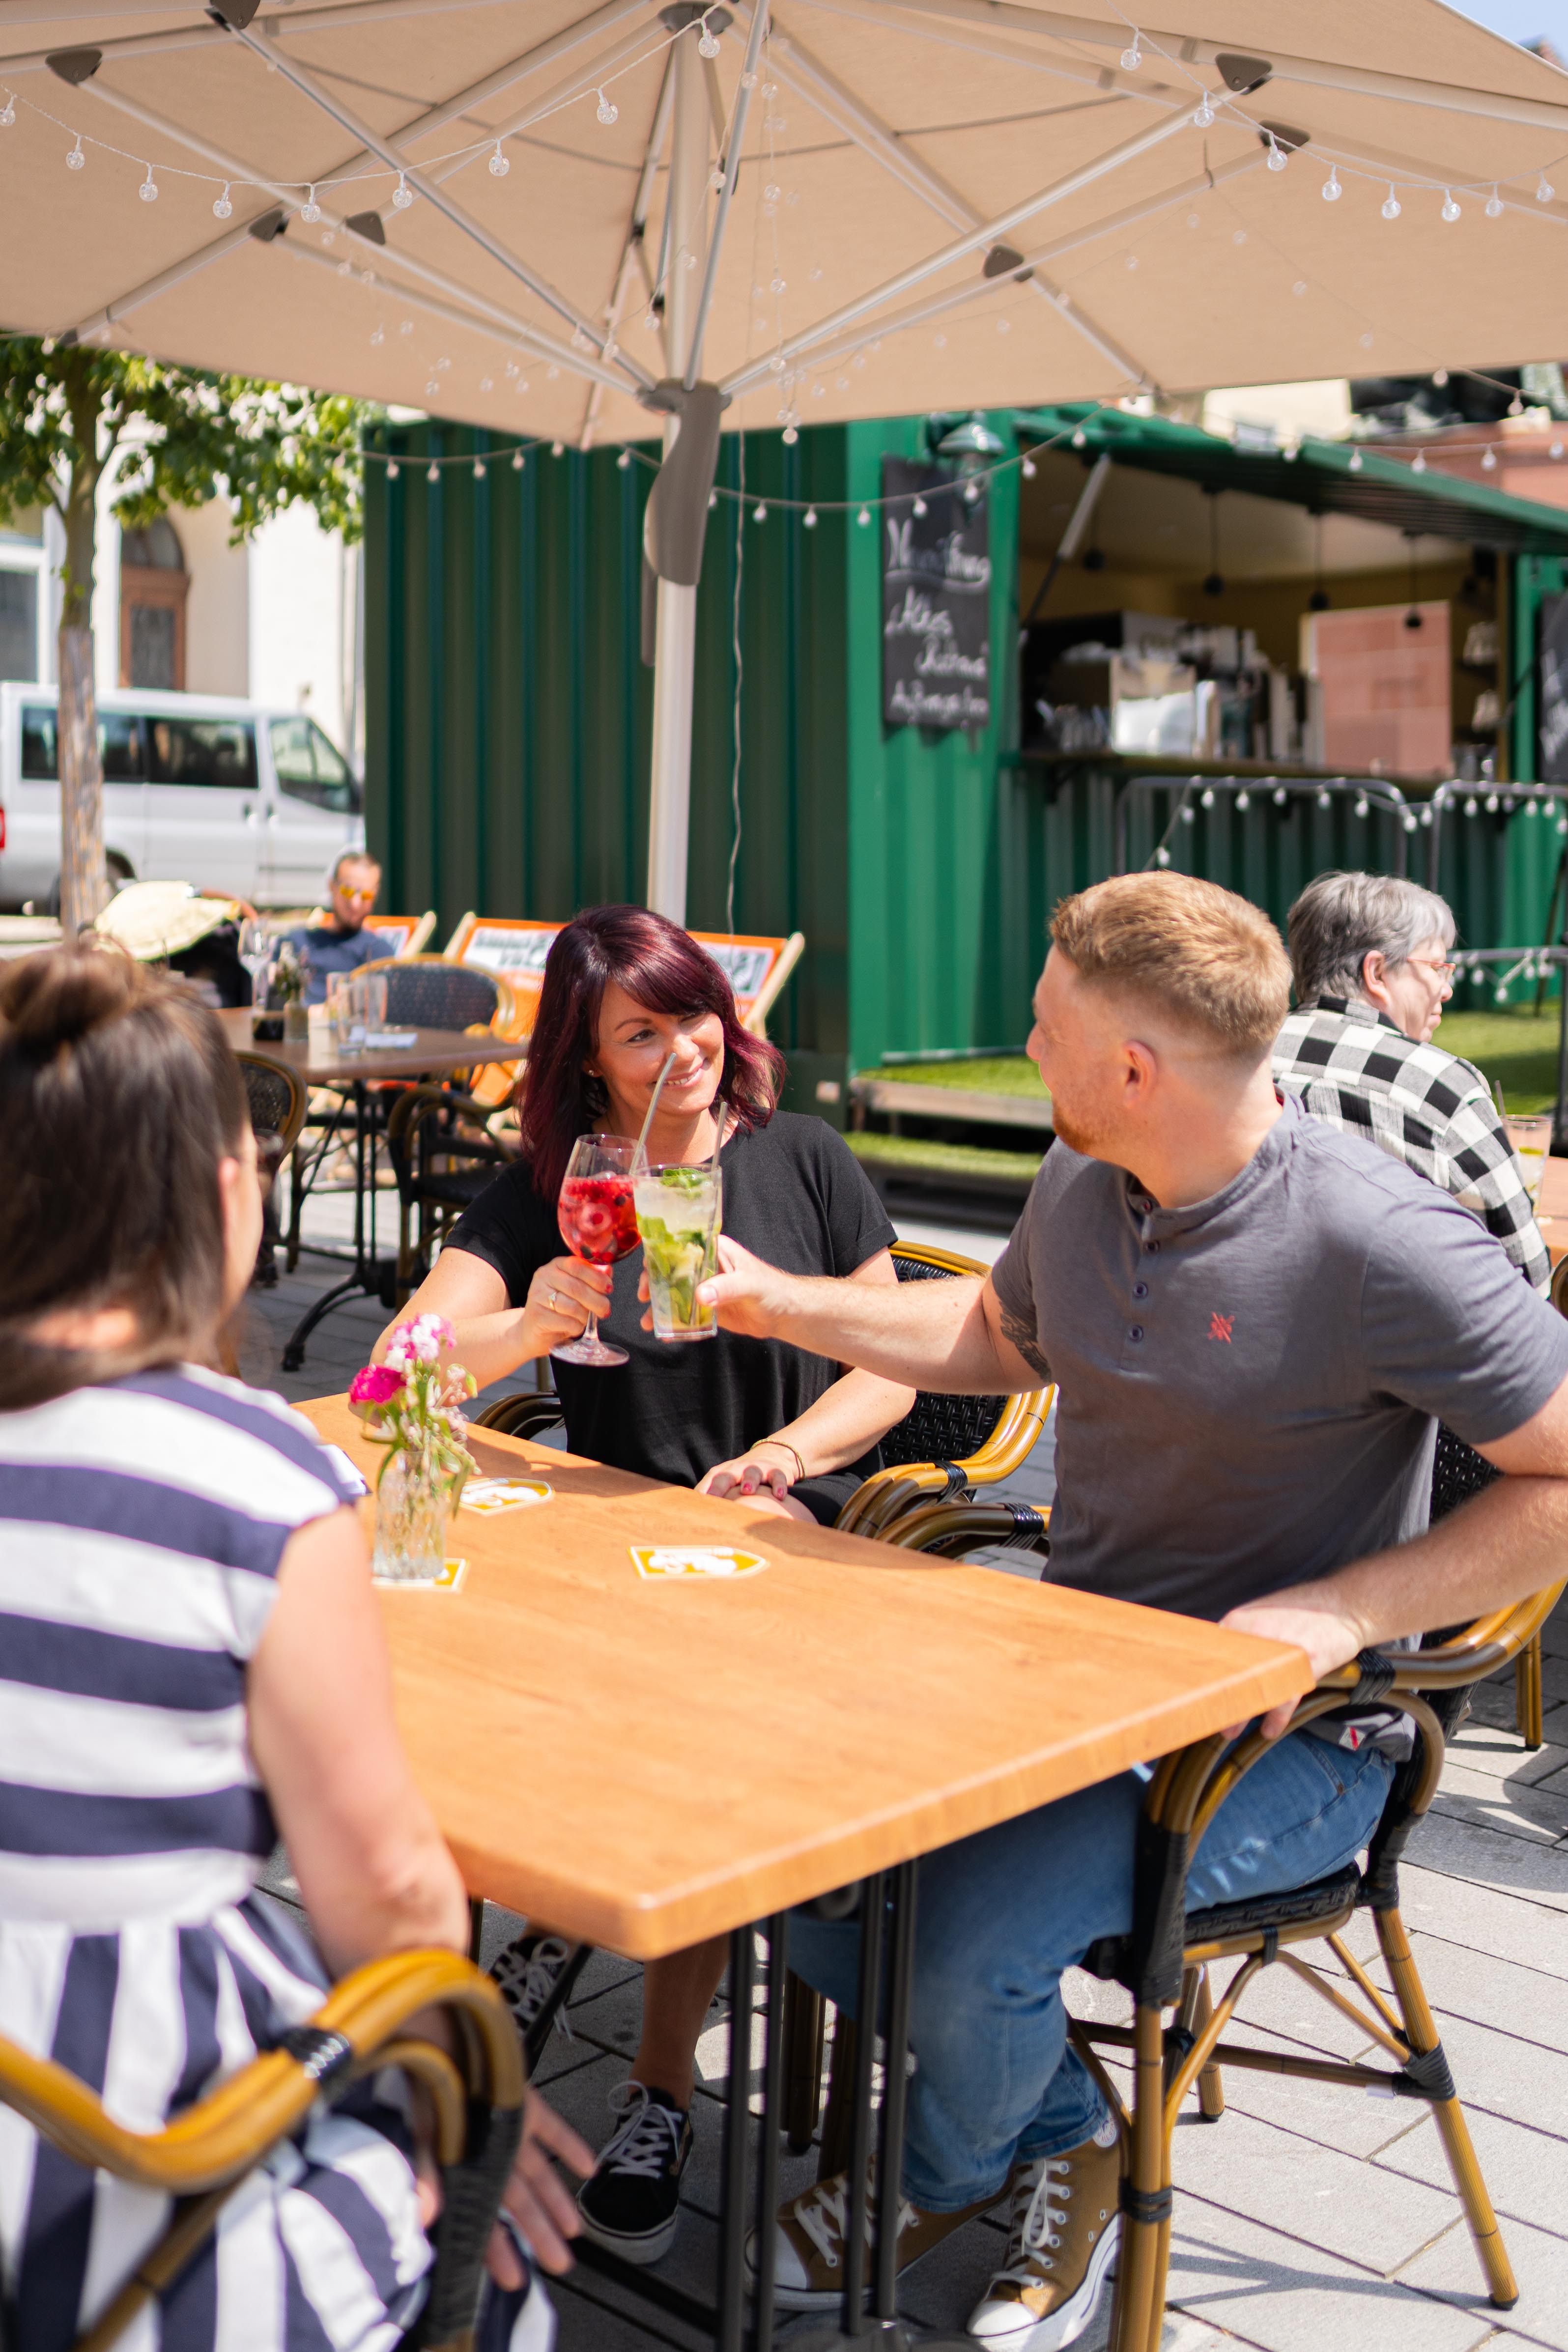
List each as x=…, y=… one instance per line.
x=1325, y=477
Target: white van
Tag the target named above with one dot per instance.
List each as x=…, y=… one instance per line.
x=196, y=788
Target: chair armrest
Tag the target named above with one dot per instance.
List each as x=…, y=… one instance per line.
x=952, y=1528
x=520, y=1416
x=888, y=1495
x=220, y=2138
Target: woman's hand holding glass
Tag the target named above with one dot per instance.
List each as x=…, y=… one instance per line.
x=562, y=1297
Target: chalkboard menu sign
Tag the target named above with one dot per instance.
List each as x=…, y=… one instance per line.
x=1552, y=768
x=936, y=600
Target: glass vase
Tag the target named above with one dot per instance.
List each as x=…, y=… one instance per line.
x=412, y=1507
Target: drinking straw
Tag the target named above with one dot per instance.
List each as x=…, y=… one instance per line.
x=653, y=1103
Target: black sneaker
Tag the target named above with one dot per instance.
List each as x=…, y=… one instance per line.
x=633, y=2202
x=526, y=1973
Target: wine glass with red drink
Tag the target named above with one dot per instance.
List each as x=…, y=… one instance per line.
x=598, y=1223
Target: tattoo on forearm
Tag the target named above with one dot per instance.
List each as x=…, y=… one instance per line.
x=1025, y=1339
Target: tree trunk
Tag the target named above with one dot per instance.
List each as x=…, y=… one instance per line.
x=84, y=884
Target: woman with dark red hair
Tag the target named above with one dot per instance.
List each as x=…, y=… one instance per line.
x=755, y=1420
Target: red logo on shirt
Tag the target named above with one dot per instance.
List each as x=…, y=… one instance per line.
x=1221, y=1326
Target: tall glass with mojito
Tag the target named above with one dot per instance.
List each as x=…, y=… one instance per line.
x=679, y=1211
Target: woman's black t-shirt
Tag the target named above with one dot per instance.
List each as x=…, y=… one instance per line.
x=793, y=1195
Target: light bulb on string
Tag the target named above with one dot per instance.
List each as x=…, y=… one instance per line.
x=221, y=208
x=1204, y=114
x=790, y=435
x=715, y=179
x=919, y=508
x=432, y=472
x=499, y=164
x=378, y=336
x=1080, y=439
x=1516, y=406
x=707, y=47
x=1355, y=461
x=1205, y=798
x=558, y=448
x=432, y=388
x=552, y=373
x=1544, y=191
x=479, y=470
x=624, y=460
x=688, y=259
x=517, y=461
x=759, y=512
x=1555, y=450
x=1360, y=805
x=1325, y=800
x=712, y=500
x=1489, y=460
x=748, y=80
x=148, y=191
x=1418, y=463
x=607, y=110
x=8, y=115
x=392, y=470
x=1277, y=156
x=1391, y=204
x=403, y=195
x=1450, y=209
x=486, y=383
x=864, y=517
x=809, y=518
x=405, y=327
x=76, y=161
x=311, y=210
x=772, y=191
x=1333, y=191
x=1131, y=58
x=1029, y=469
x=1279, y=795
x=1494, y=205
x=1244, y=801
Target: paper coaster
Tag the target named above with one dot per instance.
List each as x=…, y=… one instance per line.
x=659, y=1560
x=449, y=1581
x=504, y=1494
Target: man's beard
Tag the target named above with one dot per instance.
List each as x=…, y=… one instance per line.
x=1078, y=1134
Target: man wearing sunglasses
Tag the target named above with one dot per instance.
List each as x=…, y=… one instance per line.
x=1370, y=966
x=340, y=943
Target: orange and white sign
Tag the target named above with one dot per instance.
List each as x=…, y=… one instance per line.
x=660, y=1562
x=757, y=965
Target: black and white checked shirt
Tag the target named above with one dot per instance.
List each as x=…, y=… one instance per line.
x=1350, y=1065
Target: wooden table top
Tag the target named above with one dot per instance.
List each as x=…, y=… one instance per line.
x=643, y=1764
x=319, y=1065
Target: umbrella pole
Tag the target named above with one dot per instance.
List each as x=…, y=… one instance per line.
x=675, y=646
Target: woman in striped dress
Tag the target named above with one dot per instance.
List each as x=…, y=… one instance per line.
x=190, y=1663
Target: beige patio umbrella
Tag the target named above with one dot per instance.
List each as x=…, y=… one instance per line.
x=566, y=223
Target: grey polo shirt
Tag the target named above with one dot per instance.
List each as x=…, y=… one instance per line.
x=1250, y=1387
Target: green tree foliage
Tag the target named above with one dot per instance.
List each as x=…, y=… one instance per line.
x=174, y=437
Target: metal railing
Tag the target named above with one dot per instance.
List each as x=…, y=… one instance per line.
x=1365, y=793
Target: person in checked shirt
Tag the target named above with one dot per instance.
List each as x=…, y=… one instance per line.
x=1369, y=960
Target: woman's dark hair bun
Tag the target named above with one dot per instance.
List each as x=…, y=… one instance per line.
x=51, y=1001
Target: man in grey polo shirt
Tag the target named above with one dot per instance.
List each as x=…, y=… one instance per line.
x=1254, y=1334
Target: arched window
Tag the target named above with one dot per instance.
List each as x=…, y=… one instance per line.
x=154, y=584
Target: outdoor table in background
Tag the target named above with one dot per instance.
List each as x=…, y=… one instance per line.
x=643, y=1764
x=1551, y=1213
x=435, y=1054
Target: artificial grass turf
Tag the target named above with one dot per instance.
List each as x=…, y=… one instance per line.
x=1517, y=1047
x=945, y=1159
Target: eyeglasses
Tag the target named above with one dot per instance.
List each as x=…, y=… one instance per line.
x=368, y=896
x=1442, y=970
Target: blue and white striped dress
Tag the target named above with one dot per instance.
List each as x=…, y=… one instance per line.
x=142, y=1524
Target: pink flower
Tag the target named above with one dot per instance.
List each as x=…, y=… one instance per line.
x=376, y=1384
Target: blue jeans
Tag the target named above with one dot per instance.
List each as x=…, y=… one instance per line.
x=1001, y=1915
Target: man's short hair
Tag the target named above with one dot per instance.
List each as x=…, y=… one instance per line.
x=1212, y=960
x=1340, y=919
x=350, y=858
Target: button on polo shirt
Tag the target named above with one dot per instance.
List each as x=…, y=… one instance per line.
x=1271, y=1415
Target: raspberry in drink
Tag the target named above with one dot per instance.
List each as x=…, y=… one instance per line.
x=598, y=1218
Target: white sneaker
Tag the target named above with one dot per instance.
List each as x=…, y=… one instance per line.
x=1061, y=2245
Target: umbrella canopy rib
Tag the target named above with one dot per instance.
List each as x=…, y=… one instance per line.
x=632, y=249
x=735, y=142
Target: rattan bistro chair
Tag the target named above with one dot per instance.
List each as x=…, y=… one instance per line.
x=206, y=2152
x=443, y=1156
x=276, y=1099
x=1165, y=1963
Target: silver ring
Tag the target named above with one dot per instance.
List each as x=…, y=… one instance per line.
x=552, y=1302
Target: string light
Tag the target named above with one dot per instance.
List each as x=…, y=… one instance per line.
x=1450, y=209
x=222, y=208
x=707, y=47
x=499, y=164
x=864, y=517
x=790, y=434
x=486, y=383
x=607, y=110
x=517, y=461
x=1204, y=114
x=1029, y=469
x=378, y=337
x=392, y=470
x=479, y=470
x=1494, y=205
x=403, y=195
x=809, y=518
x=1333, y=191
x=1489, y=460
x=76, y=160
x=148, y=191
x=920, y=506
x=1277, y=156
x=1544, y=191
x=1360, y=805
x=1420, y=464
x=9, y=115
x=1244, y=801
x=1555, y=450
x=557, y=448
x=1391, y=204
x=624, y=460
x=1133, y=58
x=431, y=389
x=1279, y=795
x=759, y=512
x=311, y=210
x=1355, y=461
x=432, y=471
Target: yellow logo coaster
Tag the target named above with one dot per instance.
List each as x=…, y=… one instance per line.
x=660, y=1560
x=487, y=1494
x=449, y=1581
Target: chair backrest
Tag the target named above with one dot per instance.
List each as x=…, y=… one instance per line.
x=428, y=993
x=1457, y=1472
x=277, y=1098
x=939, y=1428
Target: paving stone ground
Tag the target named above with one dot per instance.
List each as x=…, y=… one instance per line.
x=1307, y=2218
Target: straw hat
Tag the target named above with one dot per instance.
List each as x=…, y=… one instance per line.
x=154, y=920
